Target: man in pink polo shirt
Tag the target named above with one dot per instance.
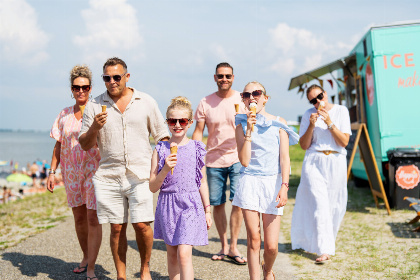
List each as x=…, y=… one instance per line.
x=217, y=111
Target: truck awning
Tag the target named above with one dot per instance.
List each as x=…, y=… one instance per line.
x=309, y=76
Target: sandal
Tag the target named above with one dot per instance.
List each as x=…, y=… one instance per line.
x=80, y=269
x=91, y=278
x=235, y=261
x=265, y=271
x=323, y=259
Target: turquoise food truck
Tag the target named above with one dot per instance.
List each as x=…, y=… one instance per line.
x=379, y=82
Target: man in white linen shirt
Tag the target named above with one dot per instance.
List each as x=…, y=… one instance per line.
x=122, y=179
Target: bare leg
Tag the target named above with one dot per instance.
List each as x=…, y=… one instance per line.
x=81, y=226
x=94, y=240
x=253, y=232
x=185, y=262
x=236, y=218
x=118, y=242
x=144, y=238
x=173, y=265
x=271, y=226
x=219, y=216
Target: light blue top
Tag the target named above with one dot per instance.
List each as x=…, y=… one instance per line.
x=265, y=145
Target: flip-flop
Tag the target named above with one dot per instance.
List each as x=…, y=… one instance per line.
x=323, y=261
x=219, y=255
x=81, y=269
x=234, y=260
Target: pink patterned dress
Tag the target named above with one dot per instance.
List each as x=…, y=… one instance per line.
x=77, y=165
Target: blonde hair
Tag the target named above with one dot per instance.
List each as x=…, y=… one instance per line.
x=80, y=71
x=180, y=102
x=259, y=84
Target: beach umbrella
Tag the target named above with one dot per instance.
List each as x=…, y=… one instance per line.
x=19, y=178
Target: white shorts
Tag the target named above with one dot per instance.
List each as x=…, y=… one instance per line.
x=114, y=200
x=258, y=193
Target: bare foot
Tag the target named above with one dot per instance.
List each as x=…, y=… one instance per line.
x=145, y=273
x=219, y=256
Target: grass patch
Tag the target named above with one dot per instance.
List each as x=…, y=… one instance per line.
x=35, y=213
x=370, y=244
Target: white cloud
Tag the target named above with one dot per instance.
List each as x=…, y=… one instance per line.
x=111, y=27
x=21, y=39
x=297, y=50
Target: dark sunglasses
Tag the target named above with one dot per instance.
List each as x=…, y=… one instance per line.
x=255, y=93
x=116, y=78
x=220, y=76
x=319, y=97
x=182, y=122
x=77, y=88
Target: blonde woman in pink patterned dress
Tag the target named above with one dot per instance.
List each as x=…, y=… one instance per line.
x=78, y=168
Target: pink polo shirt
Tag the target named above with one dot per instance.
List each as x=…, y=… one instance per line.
x=219, y=117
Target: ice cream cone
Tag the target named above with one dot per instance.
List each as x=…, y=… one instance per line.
x=82, y=108
x=253, y=109
x=321, y=105
x=103, y=108
x=174, y=150
x=236, y=108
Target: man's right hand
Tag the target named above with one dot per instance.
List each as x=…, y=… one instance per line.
x=99, y=121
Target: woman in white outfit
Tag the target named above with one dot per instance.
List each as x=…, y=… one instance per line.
x=321, y=197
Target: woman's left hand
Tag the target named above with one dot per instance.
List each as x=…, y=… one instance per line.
x=325, y=116
x=281, y=197
x=208, y=220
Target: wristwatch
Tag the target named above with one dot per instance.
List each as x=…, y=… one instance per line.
x=330, y=126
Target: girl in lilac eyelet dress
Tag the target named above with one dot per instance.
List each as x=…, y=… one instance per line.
x=182, y=215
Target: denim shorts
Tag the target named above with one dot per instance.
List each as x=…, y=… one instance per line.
x=217, y=181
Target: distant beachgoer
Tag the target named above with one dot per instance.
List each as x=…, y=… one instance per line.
x=4, y=198
x=122, y=180
x=78, y=167
x=217, y=112
x=183, y=209
x=321, y=198
x=34, y=170
x=263, y=148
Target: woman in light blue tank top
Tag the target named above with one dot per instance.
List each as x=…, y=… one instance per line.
x=263, y=147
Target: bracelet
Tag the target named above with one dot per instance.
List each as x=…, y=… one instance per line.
x=248, y=138
x=330, y=126
x=207, y=206
x=286, y=184
x=52, y=171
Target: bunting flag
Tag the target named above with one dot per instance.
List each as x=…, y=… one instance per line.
x=346, y=78
x=300, y=88
x=341, y=80
x=331, y=83
x=363, y=64
x=321, y=83
x=333, y=98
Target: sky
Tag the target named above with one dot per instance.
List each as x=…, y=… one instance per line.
x=172, y=47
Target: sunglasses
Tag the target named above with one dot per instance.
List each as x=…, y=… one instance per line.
x=116, y=78
x=319, y=97
x=182, y=122
x=77, y=88
x=255, y=94
x=220, y=76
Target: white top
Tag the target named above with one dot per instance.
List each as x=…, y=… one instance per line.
x=322, y=139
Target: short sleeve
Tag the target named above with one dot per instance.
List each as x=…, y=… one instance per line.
x=345, y=125
x=161, y=151
x=57, y=128
x=200, y=115
x=304, y=123
x=200, y=155
x=157, y=126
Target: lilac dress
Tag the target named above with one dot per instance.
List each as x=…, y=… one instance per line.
x=180, y=217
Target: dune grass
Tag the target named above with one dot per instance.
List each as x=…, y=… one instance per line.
x=33, y=214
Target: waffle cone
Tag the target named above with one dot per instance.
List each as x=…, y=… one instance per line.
x=174, y=150
x=82, y=108
x=103, y=108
